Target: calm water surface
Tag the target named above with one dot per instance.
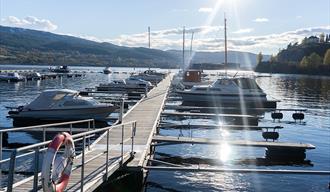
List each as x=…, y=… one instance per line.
x=294, y=91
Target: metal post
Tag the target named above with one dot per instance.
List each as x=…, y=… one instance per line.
x=107, y=156
x=71, y=128
x=133, y=134
x=82, y=165
x=11, y=171
x=89, y=138
x=122, y=144
x=36, y=169
x=93, y=124
x=146, y=91
x=1, y=141
x=121, y=111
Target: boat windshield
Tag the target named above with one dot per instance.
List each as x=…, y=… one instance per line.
x=246, y=83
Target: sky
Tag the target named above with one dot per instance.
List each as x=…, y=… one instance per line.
x=253, y=25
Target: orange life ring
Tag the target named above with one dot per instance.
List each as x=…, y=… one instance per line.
x=52, y=179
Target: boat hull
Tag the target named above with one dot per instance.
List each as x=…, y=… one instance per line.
x=226, y=100
x=97, y=113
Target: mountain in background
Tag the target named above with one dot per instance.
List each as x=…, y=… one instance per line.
x=245, y=60
x=25, y=46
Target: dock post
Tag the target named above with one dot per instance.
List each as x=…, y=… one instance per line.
x=82, y=169
x=36, y=169
x=133, y=134
x=122, y=144
x=146, y=91
x=11, y=170
x=89, y=138
x=107, y=157
x=1, y=140
x=121, y=111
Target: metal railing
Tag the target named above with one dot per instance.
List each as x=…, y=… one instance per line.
x=90, y=124
x=40, y=147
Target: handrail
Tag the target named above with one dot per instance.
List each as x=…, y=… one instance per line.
x=38, y=147
x=24, y=148
x=44, y=126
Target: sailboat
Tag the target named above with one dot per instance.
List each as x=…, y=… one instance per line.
x=226, y=91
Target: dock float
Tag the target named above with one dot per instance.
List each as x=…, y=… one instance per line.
x=181, y=140
x=233, y=118
x=228, y=127
x=125, y=146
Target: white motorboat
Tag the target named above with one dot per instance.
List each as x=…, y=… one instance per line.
x=129, y=83
x=34, y=75
x=151, y=78
x=107, y=70
x=61, y=69
x=62, y=104
x=227, y=92
x=12, y=77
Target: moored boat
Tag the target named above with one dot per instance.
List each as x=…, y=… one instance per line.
x=240, y=92
x=107, y=70
x=62, y=104
x=12, y=77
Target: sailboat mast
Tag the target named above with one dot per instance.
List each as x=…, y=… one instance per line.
x=191, y=43
x=225, y=45
x=149, y=37
x=183, y=40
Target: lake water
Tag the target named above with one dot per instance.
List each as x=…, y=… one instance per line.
x=294, y=91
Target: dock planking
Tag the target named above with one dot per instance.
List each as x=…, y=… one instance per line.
x=146, y=113
x=245, y=143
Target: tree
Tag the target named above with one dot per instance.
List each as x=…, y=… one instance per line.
x=272, y=59
x=315, y=60
x=304, y=41
x=326, y=59
x=259, y=58
x=305, y=62
x=322, y=38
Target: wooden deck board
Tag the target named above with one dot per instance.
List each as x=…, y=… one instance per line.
x=245, y=143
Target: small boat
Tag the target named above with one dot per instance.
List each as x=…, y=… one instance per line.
x=61, y=69
x=129, y=83
x=62, y=104
x=12, y=77
x=33, y=76
x=107, y=70
x=239, y=92
x=154, y=72
x=151, y=78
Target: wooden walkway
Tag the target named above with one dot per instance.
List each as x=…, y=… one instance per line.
x=146, y=113
x=245, y=143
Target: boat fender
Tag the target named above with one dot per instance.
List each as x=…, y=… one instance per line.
x=298, y=116
x=277, y=115
x=50, y=181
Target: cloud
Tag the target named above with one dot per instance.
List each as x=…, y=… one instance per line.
x=299, y=17
x=246, y=30
x=29, y=22
x=261, y=20
x=205, y=10
x=172, y=39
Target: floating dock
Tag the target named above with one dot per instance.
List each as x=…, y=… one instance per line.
x=91, y=168
x=245, y=143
